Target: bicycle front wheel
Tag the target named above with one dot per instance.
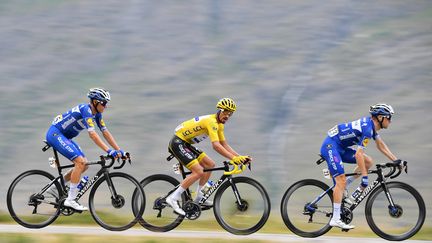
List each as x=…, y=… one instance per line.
x=307, y=207
x=158, y=216
x=243, y=211
x=28, y=205
x=401, y=221
x=111, y=201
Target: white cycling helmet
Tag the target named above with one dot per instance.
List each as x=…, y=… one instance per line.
x=99, y=94
x=381, y=109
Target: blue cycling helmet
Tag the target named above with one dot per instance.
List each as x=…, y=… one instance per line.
x=381, y=109
x=99, y=94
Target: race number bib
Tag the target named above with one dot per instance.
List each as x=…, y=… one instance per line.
x=333, y=131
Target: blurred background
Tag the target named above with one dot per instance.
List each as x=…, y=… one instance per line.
x=294, y=68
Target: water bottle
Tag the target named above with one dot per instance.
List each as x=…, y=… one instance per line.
x=82, y=183
x=207, y=186
x=357, y=193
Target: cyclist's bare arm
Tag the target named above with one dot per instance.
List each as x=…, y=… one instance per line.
x=110, y=139
x=384, y=149
x=98, y=141
x=222, y=150
x=359, y=155
x=228, y=148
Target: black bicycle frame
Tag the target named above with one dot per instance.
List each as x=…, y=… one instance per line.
x=103, y=171
x=380, y=181
x=215, y=186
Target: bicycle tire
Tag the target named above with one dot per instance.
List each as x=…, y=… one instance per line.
x=378, y=197
x=33, y=187
x=156, y=186
x=296, y=219
x=251, y=205
x=113, y=213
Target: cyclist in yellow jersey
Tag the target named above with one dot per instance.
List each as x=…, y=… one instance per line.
x=194, y=131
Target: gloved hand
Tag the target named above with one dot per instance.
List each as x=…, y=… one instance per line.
x=121, y=153
x=240, y=159
x=364, y=181
x=112, y=153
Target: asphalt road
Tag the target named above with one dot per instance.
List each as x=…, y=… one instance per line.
x=185, y=234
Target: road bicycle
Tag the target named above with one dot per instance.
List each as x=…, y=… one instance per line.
x=394, y=210
x=241, y=204
x=32, y=205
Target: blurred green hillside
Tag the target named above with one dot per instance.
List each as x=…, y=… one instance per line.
x=295, y=69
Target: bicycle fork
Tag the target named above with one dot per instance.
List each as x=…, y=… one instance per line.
x=241, y=205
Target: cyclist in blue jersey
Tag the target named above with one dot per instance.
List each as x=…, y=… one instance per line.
x=68, y=125
x=346, y=143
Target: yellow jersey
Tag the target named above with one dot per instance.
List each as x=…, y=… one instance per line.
x=199, y=128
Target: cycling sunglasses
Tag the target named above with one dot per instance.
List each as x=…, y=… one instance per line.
x=388, y=117
x=103, y=103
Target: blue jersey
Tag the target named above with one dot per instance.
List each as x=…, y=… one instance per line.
x=71, y=123
x=358, y=132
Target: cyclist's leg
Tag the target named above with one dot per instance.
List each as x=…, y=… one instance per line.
x=188, y=158
x=330, y=151
x=207, y=163
x=197, y=172
x=69, y=149
x=67, y=176
x=349, y=157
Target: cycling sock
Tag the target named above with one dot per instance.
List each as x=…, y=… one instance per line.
x=73, y=191
x=199, y=193
x=177, y=193
x=199, y=188
x=336, y=211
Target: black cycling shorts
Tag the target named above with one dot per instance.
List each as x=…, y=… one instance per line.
x=185, y=152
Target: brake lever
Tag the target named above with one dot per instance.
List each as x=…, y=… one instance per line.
x=248, y=163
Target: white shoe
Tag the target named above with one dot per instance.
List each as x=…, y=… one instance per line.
x=75, y=205
x=52, y=190
x=338, y=223
x=174, y=204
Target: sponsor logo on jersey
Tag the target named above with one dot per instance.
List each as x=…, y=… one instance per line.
x=90, y=122
x=68, y=122
x=198, y=128
x=347, y=136
x=365, y=142
x=102, y=122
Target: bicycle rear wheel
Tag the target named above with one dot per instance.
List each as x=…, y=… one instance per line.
x=158, y=216
x=399, y=222
x=26, y=203
x=301, y=216
x=111, y=201
x=247, y=215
